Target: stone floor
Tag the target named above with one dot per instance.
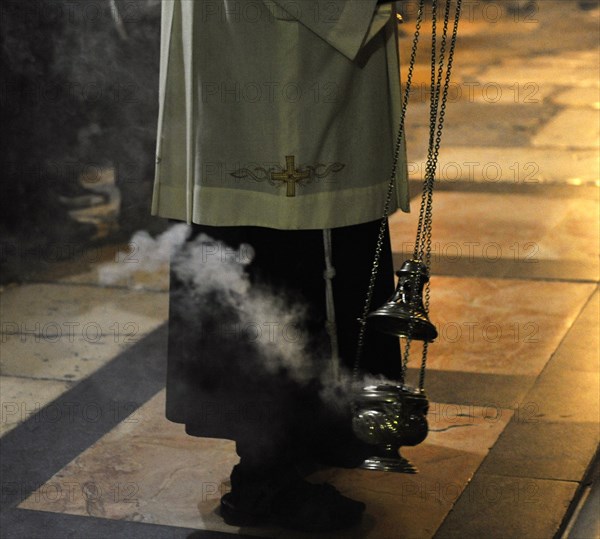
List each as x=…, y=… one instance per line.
x=513, y=379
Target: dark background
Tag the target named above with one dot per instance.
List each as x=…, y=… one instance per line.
x=79, y=104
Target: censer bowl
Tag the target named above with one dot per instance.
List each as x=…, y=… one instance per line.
x=389, y=417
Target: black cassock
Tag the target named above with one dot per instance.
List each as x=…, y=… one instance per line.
x=215, y=383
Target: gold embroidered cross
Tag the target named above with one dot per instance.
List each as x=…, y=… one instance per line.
x=290, y=175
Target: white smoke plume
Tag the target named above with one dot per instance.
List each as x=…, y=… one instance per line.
x=264, y=316
x=146, y=254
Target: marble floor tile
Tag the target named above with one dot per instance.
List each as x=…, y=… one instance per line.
x=66, y=332
x=496, y=94
x=573, y=238
x=21, y=398
x=149, y=470
x=495, y=391
x=58, y=357
x=569, y=387
x=529, y=447
x=571, y=128
x=520, y=228
x=464, y=90
x=579, y=350
x=499, y=326
x=81, y=312
x=578, y=97
x=514, y=165
x=479, y=19
x=498, y=507
x=477, y=124
x=578, y=69
x=564, y=395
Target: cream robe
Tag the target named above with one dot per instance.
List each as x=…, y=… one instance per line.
x=246, y=83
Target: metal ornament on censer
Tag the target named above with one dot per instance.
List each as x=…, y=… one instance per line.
x=404, y=314
x=389, y=416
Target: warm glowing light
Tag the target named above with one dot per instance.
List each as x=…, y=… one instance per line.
x=575, y=181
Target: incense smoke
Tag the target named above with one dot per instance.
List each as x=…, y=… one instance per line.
x=213, y=268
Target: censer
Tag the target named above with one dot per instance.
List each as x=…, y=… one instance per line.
x=389, y=416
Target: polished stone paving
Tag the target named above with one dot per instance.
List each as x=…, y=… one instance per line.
x=513, y=379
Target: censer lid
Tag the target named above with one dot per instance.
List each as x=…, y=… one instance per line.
x=388, y=392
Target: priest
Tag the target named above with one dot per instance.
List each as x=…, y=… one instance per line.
x=276, y=129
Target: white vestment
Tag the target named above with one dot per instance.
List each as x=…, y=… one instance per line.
x=278, y=113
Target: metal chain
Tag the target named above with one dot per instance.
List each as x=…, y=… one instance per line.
x=430, y=180
x=423, y=241
x=432, y=114
x=384, y=221
x=434, y=92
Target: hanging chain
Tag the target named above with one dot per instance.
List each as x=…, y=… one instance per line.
x=422, y=249
x=386, y=209
x=429, y=183
x=434, y=91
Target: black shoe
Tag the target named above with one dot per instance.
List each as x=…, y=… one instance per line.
x=288, y=501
